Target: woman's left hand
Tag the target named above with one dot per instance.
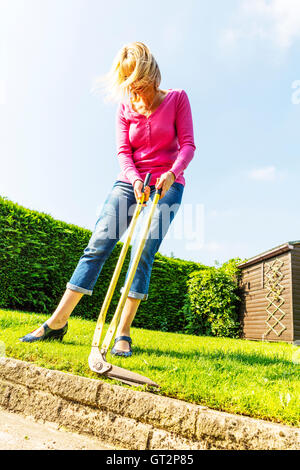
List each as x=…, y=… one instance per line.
x=165, y=182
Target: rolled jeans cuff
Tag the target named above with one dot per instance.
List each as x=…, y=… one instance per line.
x=136, y=295
x=79, y=289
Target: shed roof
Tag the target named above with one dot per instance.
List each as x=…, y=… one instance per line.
x=270, y=253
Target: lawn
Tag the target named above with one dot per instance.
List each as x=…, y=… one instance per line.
x=256, y=379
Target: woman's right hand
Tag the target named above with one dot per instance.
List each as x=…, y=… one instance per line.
x=138, y=186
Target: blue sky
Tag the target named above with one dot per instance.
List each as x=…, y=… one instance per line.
x=238, y=61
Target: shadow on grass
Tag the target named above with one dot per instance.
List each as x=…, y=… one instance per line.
x=252, y=359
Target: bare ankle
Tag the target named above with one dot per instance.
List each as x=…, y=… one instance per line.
x=56, y=324
x=123, y=333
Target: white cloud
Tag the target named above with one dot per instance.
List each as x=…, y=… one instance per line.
x=269, y=173
x=275, y=21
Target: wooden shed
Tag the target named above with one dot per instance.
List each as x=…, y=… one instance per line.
x=270, y=285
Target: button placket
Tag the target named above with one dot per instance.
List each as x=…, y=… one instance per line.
x=148, y=132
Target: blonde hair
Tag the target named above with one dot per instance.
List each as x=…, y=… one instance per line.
x=133, y=64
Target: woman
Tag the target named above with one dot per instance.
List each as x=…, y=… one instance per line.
x=154, y=131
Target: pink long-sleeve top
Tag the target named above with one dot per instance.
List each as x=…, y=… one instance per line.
x=162, y=142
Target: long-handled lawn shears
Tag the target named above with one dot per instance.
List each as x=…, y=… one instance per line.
x=97, y=358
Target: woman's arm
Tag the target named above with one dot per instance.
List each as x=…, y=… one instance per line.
x=124, y=149
x=185, y=134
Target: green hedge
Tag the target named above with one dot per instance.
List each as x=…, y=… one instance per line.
x=212, y=301
x=38, y=255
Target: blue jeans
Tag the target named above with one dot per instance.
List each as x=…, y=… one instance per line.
x=112, y=223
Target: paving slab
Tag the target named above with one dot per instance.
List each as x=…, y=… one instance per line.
x=18, y=432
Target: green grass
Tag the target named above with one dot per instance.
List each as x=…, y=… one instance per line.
x=256, y=379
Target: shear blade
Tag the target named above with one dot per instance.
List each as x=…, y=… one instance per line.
x=126, y=376
x=98, y=364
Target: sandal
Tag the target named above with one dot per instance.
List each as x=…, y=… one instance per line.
x=116, y=352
